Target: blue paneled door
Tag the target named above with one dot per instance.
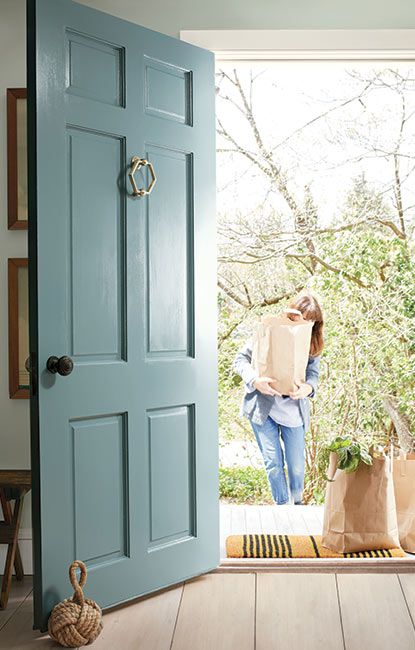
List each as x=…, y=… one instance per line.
x=122, y=305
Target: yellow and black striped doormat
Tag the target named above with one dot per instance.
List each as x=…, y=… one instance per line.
x=292, y=546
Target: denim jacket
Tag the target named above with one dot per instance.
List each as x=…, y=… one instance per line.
x=255, y=405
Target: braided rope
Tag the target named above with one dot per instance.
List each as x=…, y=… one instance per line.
x=76, y=621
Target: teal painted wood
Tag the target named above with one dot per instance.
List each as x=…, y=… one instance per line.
x=124, y=450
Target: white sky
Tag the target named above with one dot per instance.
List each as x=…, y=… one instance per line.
x=289, y=94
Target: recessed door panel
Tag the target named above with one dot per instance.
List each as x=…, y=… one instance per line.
x=172, y=474
x=170, y=255
x=97, y=242
x=95, y=69
x=168, y=91
x=99, y=473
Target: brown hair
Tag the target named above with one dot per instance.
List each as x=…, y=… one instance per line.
x=311, y=310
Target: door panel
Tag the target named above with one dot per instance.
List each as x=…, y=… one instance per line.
x=170, y=226
x=97, y=224
x=124, y=449
x=95, y=69
x=172, y=447
x=100, y=534
x=168, y=91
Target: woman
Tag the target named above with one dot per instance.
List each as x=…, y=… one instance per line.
x=274, y=416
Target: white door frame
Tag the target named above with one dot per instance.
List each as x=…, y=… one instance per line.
x=328, y=45
x=305, y=44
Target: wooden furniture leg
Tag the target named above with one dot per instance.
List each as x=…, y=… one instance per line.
x=11, y=552
x=7, y=514
x=14, y=485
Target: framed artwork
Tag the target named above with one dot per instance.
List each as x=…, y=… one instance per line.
x=17, y=158
x=18, y=327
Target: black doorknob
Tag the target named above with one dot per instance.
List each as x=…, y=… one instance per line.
x=63, y=365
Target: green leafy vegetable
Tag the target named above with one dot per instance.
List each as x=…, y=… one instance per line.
x=349, y=453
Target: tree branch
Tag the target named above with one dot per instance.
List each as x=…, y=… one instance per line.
x=392, y=226
x=401, y=424
x=329, y=267
x=229, y=292
x=260, y=303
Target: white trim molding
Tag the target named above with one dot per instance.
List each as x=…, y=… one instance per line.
x=305, y=44
x=317, y=565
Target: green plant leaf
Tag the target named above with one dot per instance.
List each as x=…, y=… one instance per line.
x=353, y=464
x=365, y=457
x=349, y=454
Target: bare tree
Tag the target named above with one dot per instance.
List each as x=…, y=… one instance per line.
x=251, y=241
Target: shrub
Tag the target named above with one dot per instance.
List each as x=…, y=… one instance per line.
x=244, y=485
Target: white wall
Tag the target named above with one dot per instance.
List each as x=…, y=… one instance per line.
x=14, y=413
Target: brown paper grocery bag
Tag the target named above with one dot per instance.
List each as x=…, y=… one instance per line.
x=280, y=349
x=404, y=483
x=360, y=510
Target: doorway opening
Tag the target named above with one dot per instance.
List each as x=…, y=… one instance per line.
x=316, y=170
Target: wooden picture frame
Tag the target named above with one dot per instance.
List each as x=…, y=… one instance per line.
x=17, y=158
x=18, y=327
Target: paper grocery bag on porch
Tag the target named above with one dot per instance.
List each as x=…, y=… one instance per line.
x=404, y=482
x=360, y=510
x=281, y=348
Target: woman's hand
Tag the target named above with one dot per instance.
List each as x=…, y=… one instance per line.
x=263, y=385
x=303, y=390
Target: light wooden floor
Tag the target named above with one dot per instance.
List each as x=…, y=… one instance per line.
x=295, y=520
x=231, y=611
x=250, y=611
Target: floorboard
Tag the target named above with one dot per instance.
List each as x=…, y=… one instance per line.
x=217, y=614
x=266, y=514
x=253, y=519
x=225, y=527
x=238, y=521
x=374, y=612
x=233, y=611
x=296, y=518
x=18, y=634
x=311, y=519
x=283, y=524
x=19, y=591
x=147, y=623
x=297, y=611
x=407, y=581
x=288, y=519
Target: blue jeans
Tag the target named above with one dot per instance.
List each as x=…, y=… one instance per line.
x=269, y=436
